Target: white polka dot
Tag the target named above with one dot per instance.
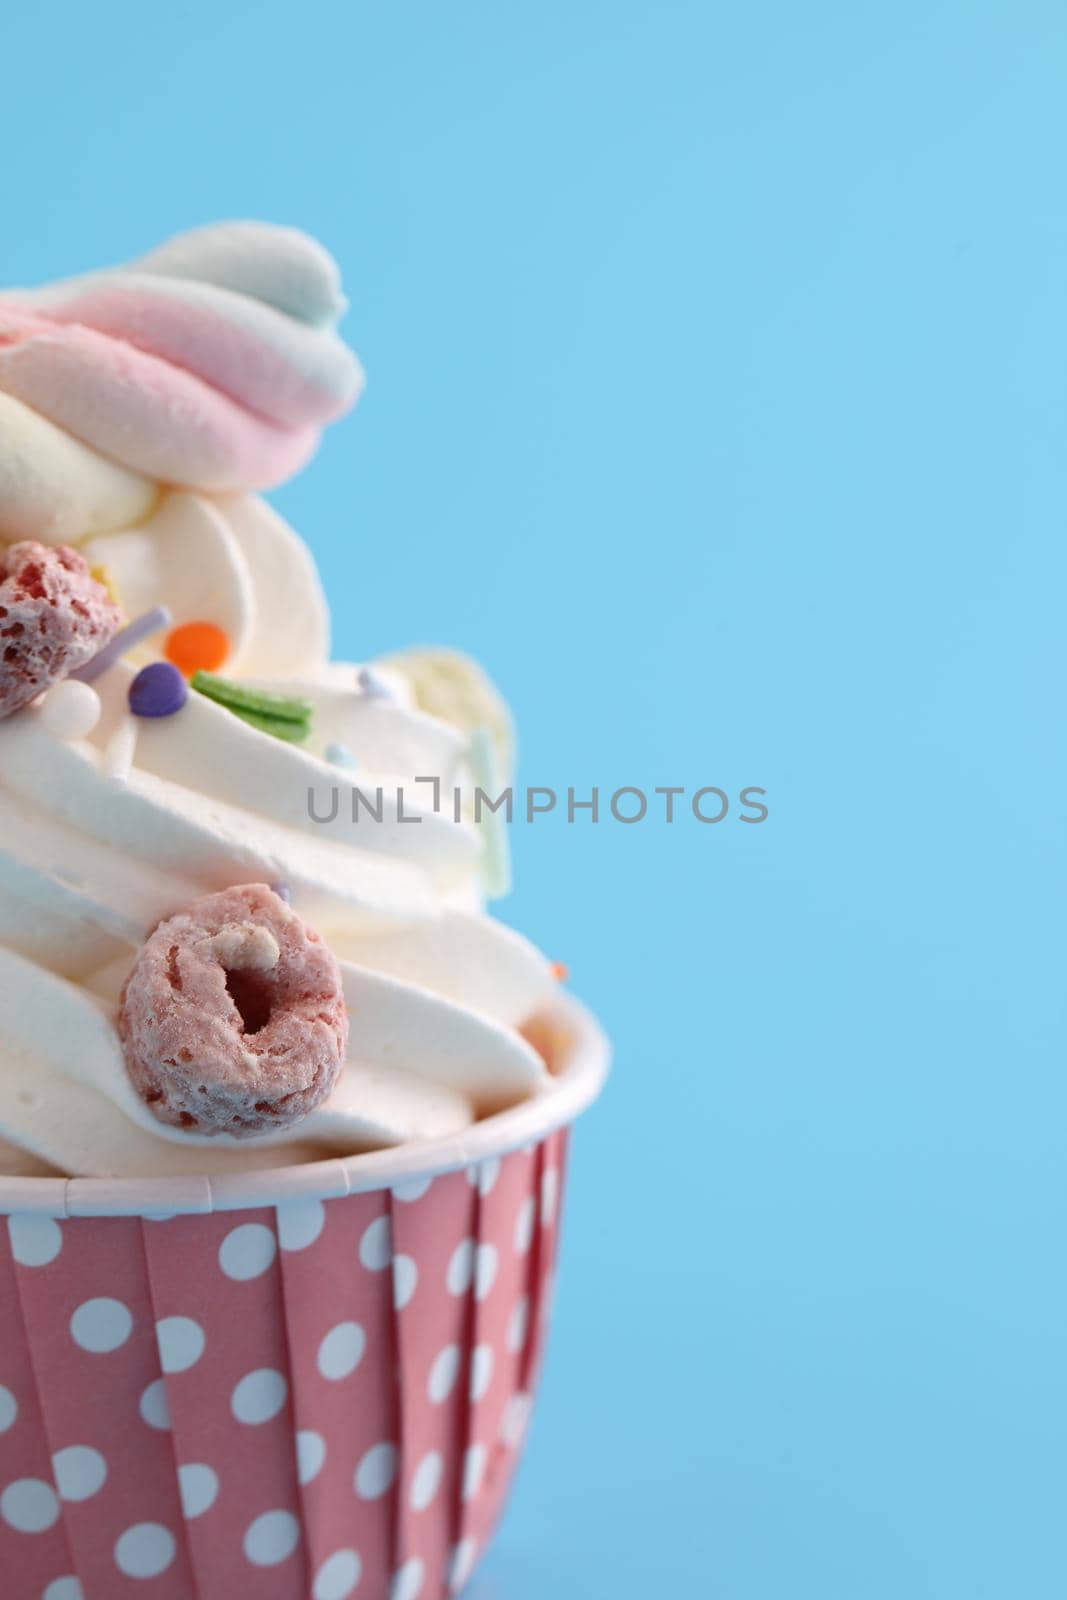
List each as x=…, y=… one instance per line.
x=310, y=1454
x=515, y=1419
x=9, y=1408
x=299, y=1223
x=485, y=1265
x=474, y=1465
x=405, y=1281
x=79, y=1471
x=247, y=1251
x=29, y=1505
x=337, y=1577
x=481, y=1371
x=259, y=1396
x=271, y=1538
x=145, y=1550
x=155, y=1407
x=376, y=1471
x=517, y=1325
x=524, y=1225
x=461, y=1268
x=101, y=1326
x=376, y=1245
x=341, y=1351
x=549, y=1196
x=461, y=1564
x=181, y=1343
x=35, y=1241
x=442, y=1378
x=407, y=1584
x=198, y=1486
x=412, y=1189
x=425, y=1483
x=64, y=1589
x=487, y=1174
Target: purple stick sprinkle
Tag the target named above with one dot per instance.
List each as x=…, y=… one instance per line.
x=283, y=892
x=125, y=639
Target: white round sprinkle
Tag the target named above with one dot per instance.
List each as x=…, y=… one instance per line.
x=155, y=1407
x=339, y=755
x=247, y=1251
x=337, y=1577
x=259, y=1396
x=70, y=709
x=341, y=1351
x=181, y=1343
x=35, y=1241
x=373, y=685
x=425, y=1483
x=198, y=1486
x=310, y=1454
x=299, y=1223
x=405, y=1281
x=29, y=1505
x=79, y=1471
x=443, y=1374
x=376, y=1245
x=101, y=1326
x=376, y=1471
x=271, y=1538
x=145, y=1550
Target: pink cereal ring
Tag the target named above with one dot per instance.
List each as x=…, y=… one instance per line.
x=54, y=617
x=233, y=1019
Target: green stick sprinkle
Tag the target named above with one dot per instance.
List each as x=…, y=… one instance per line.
x=281, y=715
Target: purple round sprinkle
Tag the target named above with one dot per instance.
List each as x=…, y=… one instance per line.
x=283, y=892
x=158, y=691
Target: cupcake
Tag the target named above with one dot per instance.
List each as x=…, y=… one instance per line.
x=283, y=1111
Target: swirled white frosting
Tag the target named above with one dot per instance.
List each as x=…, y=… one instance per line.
x=139, y=409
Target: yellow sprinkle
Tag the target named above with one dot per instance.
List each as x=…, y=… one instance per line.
x=101, y=575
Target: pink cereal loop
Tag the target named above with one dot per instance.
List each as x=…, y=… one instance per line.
x=233, y=1019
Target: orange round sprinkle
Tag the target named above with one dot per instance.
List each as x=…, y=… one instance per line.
x=560, y=972
x=197, y=647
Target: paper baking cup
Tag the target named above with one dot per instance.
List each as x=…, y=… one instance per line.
x=297, y=1385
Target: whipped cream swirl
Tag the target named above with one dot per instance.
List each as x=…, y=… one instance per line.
x=139, y=407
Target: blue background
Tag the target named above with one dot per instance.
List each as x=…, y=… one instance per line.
x=717, y=400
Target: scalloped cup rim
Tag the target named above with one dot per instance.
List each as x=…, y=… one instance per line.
x=578, y=1080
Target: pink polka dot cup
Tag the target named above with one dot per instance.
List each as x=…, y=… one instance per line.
x=303, y=1385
